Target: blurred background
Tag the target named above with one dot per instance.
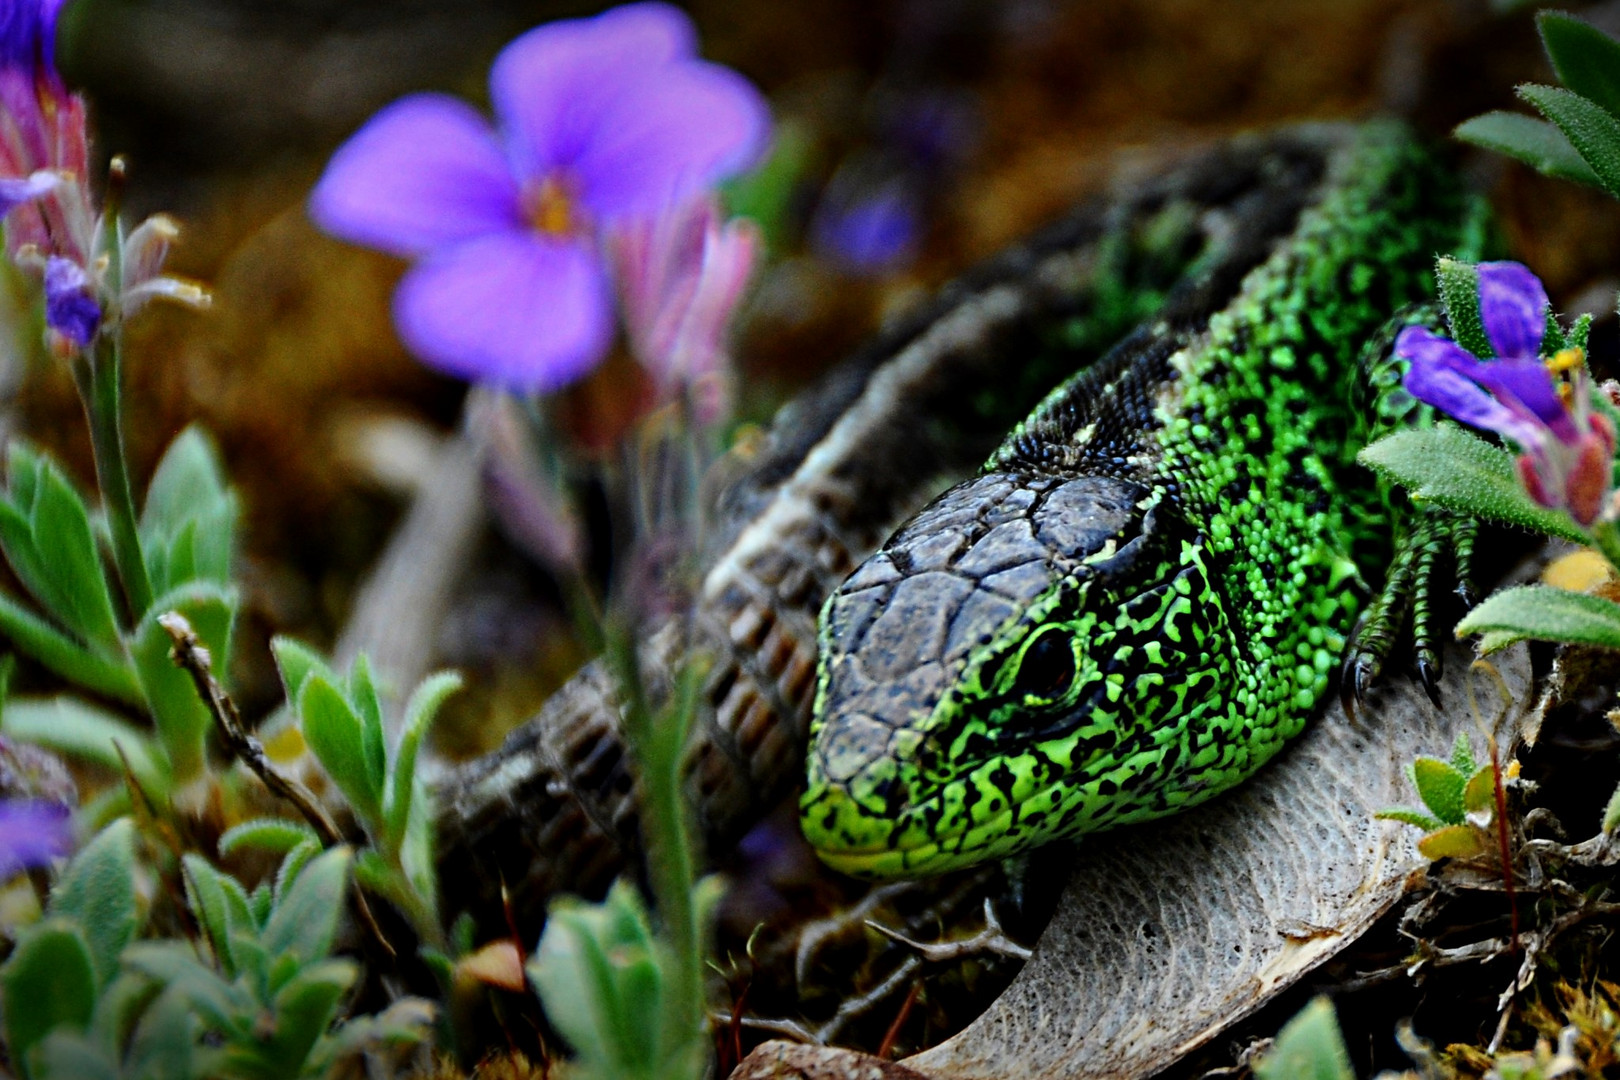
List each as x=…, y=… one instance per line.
x=913, y=138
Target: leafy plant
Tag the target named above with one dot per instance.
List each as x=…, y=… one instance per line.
x=1309, y=1047
x=1459, y=796
x=83, y=633
x=613, y=988
x=342, y=723
x=1580, y=138
x=256, y=999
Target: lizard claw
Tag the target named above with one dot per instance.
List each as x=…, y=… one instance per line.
x=1428, y=671
x=1360, y=669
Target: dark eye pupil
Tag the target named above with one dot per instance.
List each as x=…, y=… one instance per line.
x=1047, y=668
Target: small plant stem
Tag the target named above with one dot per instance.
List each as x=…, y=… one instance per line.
x=1504, y=849
x=656, y=744
x=99, y=378
x=1606, y=537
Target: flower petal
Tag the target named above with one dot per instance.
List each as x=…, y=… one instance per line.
x=1527, y=387
x=510, y=309
x=1443, y=374
x=667, y=134
x=16, y=191
x=549, y=86
x=423, y=173
x=1513, y=307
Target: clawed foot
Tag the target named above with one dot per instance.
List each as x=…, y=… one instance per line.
x=1440, y=541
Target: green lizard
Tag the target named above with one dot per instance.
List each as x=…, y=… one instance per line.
x=1152, y=583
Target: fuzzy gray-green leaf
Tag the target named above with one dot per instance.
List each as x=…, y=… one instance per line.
x=48, y=982
x=306, y=913
x=1441, y=788
x=1537, y=143
x=1309, y=1047
x=97, y=891
x=1543, y=613
x=275, y=835
x=1586, y=59
x=1459, y=294
x=1449, y=467
x=182, y=720
x=1594, y=132
x=336, y=736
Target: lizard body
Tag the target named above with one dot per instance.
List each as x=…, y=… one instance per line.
x=554, y=807
x=1151, y=584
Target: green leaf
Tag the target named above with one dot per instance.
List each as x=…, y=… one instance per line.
x=304, y=1009
x=1449, y=467
x=173, y=965
x=65, y=1055
x=1537, y=143
x=306, y=914
x=1410, y=817
x=221, y=906
x=1462, y=755
x=1594, y=133
x=579, y=971
x=337, y=738
x=296, y=662
x=190, y=476
x=162, y=1045
x=363, y=697
x=1459, y=294
x=1309, y=1047
x=419, y=713
x=1441, y=788
x=1480, y=793
x=275, y=835
x=68, y=553
x=293, y=865
x=1586, y=59
x=1453, y=842
x=183, y=721
x=92, y=670
x=1543, y=613
x=188, y=525
x=1611, y=813
x=48, y=982
x=82, y=731
x=97, y=891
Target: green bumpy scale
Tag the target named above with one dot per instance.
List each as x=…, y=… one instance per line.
x=1152, y=583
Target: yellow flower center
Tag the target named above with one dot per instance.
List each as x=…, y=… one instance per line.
x=1561, y=364
x=552, y=209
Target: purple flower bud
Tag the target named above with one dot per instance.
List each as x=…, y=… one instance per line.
x=70, y=303
x=682, y=275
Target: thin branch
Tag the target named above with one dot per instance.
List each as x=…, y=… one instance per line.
x=193, y=657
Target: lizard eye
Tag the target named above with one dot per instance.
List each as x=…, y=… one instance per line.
x=1047, y=669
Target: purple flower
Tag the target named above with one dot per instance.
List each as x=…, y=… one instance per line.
x=601, y=122
x=32, y=834
x=1567, y=449
x=869, y=230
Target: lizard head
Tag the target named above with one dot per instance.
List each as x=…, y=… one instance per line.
x=1024, y=660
